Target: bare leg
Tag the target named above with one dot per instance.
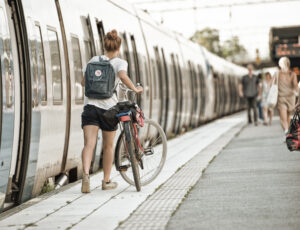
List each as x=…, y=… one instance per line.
x=283, y=119
x=265, y=115
x=90, y=137
x=270, y=116
x=108, y=153
x=289, y=114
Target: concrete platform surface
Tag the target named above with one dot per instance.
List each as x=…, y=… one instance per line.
x=254, y=183
x=70, y=209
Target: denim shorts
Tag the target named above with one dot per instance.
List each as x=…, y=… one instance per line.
x=93, y=115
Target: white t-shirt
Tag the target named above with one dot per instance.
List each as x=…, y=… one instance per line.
x=118, y=65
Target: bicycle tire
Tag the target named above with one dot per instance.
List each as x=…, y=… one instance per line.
x=118, y=154
x=132, y=157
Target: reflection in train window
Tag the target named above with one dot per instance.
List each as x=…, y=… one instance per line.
x=35, y=74
x=41, y=66
x=127, y=55
x=88, y=50
x=147, y=82
x=8, y=87
x=155, y=74
x=55, y=67
x=77, y=67
x=101, y=34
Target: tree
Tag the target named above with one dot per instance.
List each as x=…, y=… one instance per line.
x=233, y=50
x=209, y=38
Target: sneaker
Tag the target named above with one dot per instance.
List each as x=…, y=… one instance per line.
x=85, y=186
x=255, y=123
x=109, y=185
x=284, y=138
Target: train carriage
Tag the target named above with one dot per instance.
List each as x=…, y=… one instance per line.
x=44, y=45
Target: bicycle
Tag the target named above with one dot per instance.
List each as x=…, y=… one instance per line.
x=141, y=148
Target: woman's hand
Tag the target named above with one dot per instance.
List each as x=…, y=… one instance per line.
x=139, y=90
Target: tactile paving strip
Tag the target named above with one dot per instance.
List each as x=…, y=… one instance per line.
x=156, y=211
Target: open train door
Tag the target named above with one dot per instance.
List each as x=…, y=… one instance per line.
x=7, y=100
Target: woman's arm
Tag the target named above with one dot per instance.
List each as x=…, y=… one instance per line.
x=126, y=80
x=295, y=81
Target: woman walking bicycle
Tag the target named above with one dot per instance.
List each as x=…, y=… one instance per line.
x=92, y=116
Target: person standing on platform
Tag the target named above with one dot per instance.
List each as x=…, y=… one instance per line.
x=259, y=100
x=266, y=86
x=249, y=88
x=287, y=88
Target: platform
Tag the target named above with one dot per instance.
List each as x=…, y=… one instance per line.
x=254, y=183
x=68, y=208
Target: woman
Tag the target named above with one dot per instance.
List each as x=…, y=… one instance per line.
x=287, y=85
x=267, y=110
x=93, y=119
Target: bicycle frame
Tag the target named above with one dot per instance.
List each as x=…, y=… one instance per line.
x=126, y=117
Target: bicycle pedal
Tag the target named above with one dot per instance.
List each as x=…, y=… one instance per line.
x=148, y=151
x=123, y=168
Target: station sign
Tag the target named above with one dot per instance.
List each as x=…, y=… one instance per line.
x=289, y=50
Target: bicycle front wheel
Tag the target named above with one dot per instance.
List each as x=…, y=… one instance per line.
x=151, y=153
x=132, y=155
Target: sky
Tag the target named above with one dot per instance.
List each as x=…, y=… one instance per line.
x=251, y=23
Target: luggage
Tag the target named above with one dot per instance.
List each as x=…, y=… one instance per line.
x=293, y=136
x=124, y=107
x=99, y=79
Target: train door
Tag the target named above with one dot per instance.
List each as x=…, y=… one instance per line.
x=203, y=92
x=7, y=103
x=160, y=84
x=180, y=95
x=165, y=81
x=177, y=90
x=67, y=87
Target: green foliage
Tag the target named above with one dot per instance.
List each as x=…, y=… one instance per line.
x=209, y=38
x=231, y=49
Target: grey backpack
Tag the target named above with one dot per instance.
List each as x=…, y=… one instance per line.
x=99, y=79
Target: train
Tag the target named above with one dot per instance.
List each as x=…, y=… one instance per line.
x=44, y=46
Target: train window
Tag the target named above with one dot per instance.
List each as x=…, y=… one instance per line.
x=55, y=67
x=8, y=86
x=35, y=73
x=127, y=55
x=179, y=73
x=147, y=80
x=89, y=38
x=77, y=67
x=154, y=70
x=202, y=88
x=175, y=77
x=136, y=59
x=88, y=50
x=101, y=33
x=41, y=67
x=160, y=72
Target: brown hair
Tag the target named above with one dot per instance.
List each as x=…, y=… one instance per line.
x=112, y=41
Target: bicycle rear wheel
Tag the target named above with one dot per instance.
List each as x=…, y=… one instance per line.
x=151, y=160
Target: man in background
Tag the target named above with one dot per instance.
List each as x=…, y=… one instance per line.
x=249, y=89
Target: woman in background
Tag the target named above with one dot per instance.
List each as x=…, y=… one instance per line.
x=287, y=85
x=267, y=110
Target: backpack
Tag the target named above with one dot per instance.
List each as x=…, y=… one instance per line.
x=99, y=79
